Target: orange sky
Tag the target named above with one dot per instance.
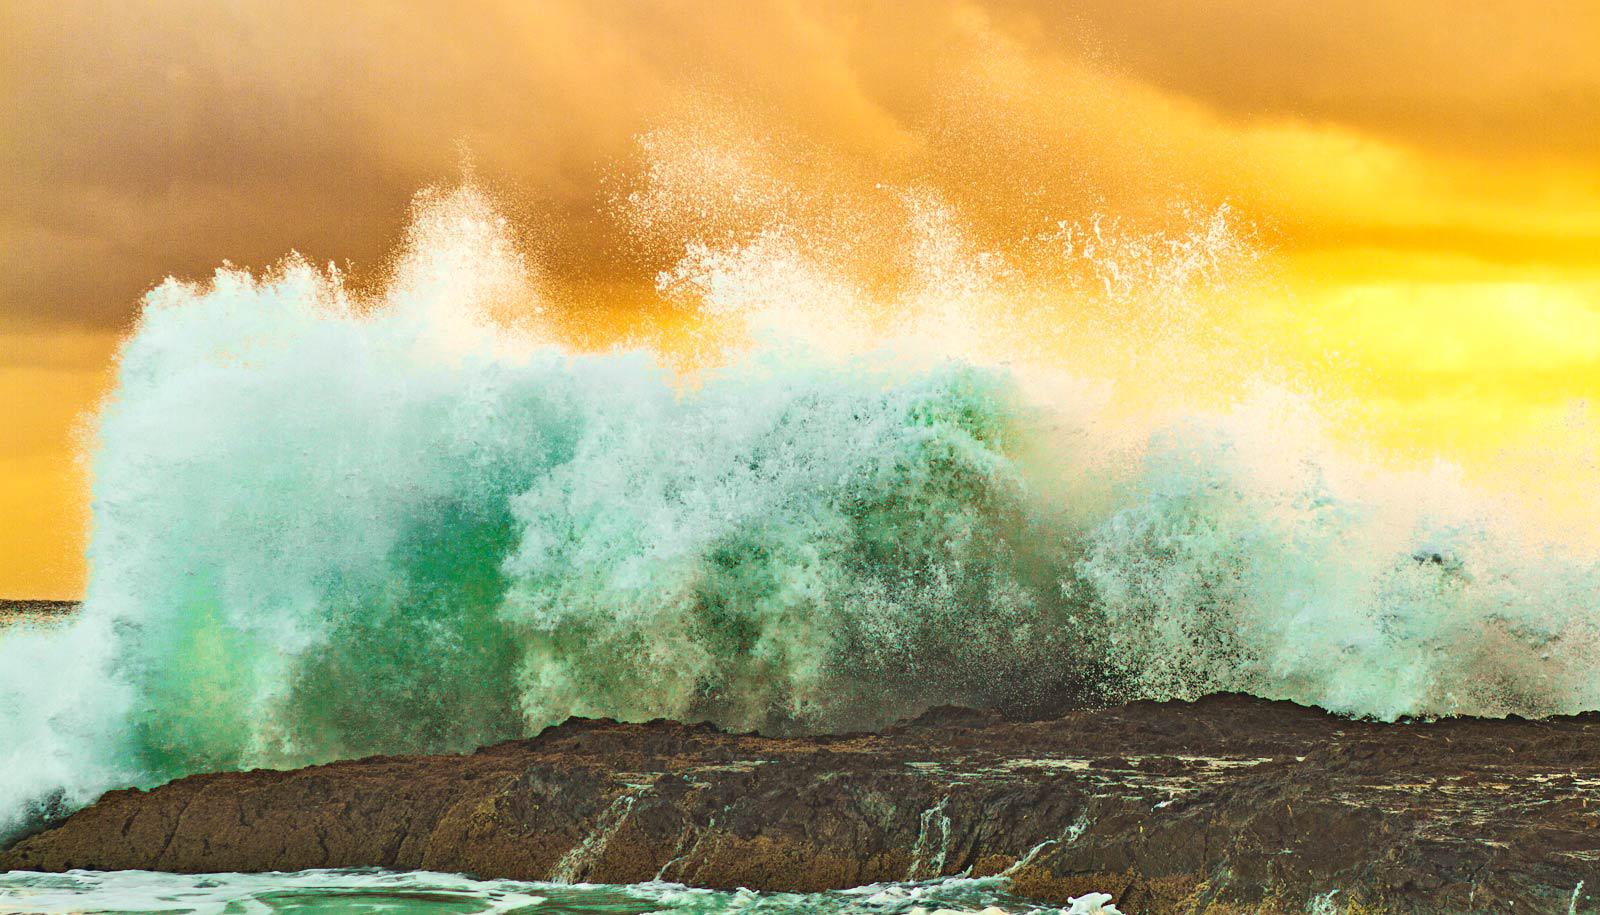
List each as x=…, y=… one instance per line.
x=1427, y=174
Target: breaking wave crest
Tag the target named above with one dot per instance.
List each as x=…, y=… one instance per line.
x=328, y=524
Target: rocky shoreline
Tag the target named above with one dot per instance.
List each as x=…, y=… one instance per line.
x=1227, y=804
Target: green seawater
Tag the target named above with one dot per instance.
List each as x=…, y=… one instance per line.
x=336, y=892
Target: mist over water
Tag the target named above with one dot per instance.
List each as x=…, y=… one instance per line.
x=329, y=524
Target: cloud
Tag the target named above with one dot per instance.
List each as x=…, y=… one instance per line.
x=1495, y=77
x=162, y=138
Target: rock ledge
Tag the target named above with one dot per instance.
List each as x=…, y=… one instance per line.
x=1224, y=804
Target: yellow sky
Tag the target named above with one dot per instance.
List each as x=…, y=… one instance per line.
x=1427, y=174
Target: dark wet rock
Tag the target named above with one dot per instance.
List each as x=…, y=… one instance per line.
x=1223, y=805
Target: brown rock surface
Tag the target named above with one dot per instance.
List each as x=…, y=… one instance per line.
x=1211, y=806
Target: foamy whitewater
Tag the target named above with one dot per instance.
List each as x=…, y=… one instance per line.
x=422, y=893
x=327, y=525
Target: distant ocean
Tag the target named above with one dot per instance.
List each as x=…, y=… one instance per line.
x=36, y=612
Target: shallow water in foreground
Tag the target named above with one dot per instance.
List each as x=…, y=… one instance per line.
x=324, y=892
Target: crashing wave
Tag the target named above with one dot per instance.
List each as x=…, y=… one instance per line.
x=327, y=525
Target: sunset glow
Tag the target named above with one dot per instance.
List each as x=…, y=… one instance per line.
x=1418, y=185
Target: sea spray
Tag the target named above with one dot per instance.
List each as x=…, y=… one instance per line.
x=1240, y=561
x=327, y=525
x=326, y=528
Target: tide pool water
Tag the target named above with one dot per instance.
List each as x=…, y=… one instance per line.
x=336, y=892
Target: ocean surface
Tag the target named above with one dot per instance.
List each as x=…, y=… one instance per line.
x=334, y=892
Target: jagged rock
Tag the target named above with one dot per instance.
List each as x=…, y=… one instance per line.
x=1174, y=807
